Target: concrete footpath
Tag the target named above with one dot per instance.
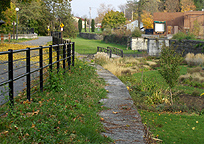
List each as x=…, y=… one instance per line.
x=122, y=122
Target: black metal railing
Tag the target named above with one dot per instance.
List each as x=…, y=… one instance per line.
x=110, y=51
x=28, y=69
x=56, y=37
x=106, y=50
x=116, y=51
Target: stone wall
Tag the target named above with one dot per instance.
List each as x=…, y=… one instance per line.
x=91, y=36
x=116, y=39
x=188, y=46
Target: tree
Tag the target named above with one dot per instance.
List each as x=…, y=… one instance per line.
x=199, y=4
x=103, y=9
x=85, y=24
x=172, y=6
x=80, y=25
x=151, y=6
x=170, y=61
x=187, y=5
x=113, y=19
x=4, y=4
x=147, y=20
x=9, y=16
x=93, y=25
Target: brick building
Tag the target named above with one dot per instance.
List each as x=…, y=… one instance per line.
x=181, y=21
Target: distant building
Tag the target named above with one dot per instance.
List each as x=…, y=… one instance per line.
x=131, y=26
x=179, y=21
x=83, y=21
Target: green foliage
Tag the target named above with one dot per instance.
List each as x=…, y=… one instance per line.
x=136, y=33
x=170, y=61
x=92, y=25
x=180, y=36
x=85, y=24
x=4, y=4
x=39, y=14
x=80, y=25
x=56, y=81
x=113, y=19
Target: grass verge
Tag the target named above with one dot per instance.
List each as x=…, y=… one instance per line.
x=68, y=114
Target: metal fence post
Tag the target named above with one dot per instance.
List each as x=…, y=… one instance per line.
x=58, y=58
x=121, y=53
x=97, y=49
x=10, y=77
x=69, y=55
x=41, y=67
x=64, y=55
x=28, y=72
x=50, y=58
x=73, y=54
x=110, y=53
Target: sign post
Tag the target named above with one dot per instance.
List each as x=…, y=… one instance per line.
x=62, y=25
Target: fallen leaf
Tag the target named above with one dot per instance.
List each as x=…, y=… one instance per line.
x=102, y=119
x=33, y=125
x=36, y=112
x=115, y=112
x=193, y=128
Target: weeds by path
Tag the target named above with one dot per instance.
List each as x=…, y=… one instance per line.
x=66, y=114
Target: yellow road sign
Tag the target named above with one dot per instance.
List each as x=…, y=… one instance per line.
x=61, y=25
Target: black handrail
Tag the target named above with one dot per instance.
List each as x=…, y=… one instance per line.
x=111, y=50
x=67, y=55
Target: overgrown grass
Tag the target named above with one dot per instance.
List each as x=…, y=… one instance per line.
x=175, y=128
x=87, y=46
x=157, y=78
x=66, y=114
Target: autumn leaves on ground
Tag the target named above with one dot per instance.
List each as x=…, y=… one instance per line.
x=65, y=114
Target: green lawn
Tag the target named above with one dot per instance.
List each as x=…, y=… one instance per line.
x=175, y=128
x=87, y=46
x=154, y=76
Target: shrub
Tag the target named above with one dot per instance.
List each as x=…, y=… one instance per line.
x=80, y=25
x=181, y=36
x=170, y=61
x=92, y=25
x=136, y=33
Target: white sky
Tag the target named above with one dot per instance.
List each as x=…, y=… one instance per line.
x=81, y=7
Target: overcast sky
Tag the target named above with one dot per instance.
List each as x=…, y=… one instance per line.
x=81, y=7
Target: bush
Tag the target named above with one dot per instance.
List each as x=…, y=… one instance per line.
x=181, y=36
x=136, y=33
